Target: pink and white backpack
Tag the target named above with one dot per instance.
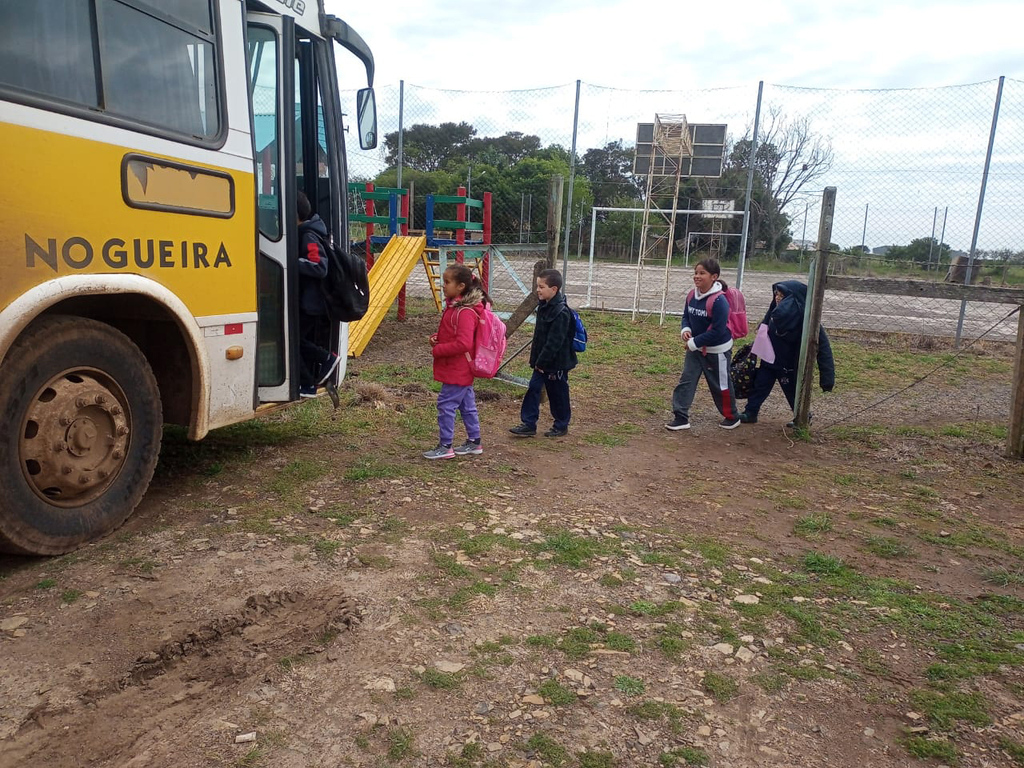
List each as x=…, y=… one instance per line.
x=488, y=344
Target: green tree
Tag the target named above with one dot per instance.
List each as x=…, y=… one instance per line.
x=429, y=147
x=917, y=252
x=610, y=172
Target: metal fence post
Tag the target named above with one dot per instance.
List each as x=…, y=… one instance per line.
x=812, y=311
x=401, y=130
x=572, y=178
x=750, y=186
x=981, y=204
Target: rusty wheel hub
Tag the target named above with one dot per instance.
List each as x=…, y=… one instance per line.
x=75, y=437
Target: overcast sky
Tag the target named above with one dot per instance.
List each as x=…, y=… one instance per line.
x=513, y=44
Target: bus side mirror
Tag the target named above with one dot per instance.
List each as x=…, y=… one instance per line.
x=366, y=118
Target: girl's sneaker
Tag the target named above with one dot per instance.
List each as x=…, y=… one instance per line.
x=441, y=452
x=470, y=447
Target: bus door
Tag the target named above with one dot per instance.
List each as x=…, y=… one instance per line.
x=271, y=51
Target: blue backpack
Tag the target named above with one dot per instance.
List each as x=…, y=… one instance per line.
x=579, y=337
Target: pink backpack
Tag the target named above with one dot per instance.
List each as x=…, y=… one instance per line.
x=737, y=323
x=488, y=344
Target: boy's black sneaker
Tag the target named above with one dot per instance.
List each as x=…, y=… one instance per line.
x=555, y=432
x=677, y=423
x=729, y=423
x=748, y=418
x=523, y=430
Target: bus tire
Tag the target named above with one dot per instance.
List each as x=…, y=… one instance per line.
x=80, y=429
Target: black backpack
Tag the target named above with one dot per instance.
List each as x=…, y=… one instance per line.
x=346, y=287
x=743, y=371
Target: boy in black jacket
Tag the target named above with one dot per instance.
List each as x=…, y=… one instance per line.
x=551, y=357
x=785, y=321
x=317, y=363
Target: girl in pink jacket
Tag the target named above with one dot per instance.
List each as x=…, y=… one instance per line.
x=452, y=347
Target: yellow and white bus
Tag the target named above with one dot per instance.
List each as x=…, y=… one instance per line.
x=150, y=156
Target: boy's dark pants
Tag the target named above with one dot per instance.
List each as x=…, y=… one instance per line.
x=557, y=385
x=763, y=384
x=312, y=329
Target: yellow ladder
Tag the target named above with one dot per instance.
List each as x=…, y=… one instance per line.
x=431, y=259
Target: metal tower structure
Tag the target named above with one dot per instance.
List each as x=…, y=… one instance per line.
x=663, y=155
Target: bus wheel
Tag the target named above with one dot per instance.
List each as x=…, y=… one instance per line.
x=80, y=428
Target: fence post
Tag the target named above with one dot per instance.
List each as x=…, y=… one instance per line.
x=981, y=204
x=750, y=186
x=529, y=303
x=1015, y=440
x=572, y=179
x=812, y=311
x=401, y=129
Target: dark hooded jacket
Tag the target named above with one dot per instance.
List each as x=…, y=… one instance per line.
x=552, y=337
x=785, y=322
x=313, y=265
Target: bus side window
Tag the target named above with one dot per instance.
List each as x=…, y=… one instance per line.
x=47, y=48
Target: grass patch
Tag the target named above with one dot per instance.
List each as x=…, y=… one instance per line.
x=450, y=567
x=542, y=641
x=69, y=596
x=616, y=641
x=887, y=547
x=566, y=548
x=945, y=709
x=932, y=749
x=720, y=687
x=325, y=549
x=549, y=751
x=596, y=760
x=441, y=681
x=46, y=584
x=683, y=756
x=1013, y=748
x=556, y=694
x=1004, y=577
x=400, y=745
x=656, y=710
x=813, y=524
x=631, y=686
x=294, y=474
x=577, y=642
x=816, y=562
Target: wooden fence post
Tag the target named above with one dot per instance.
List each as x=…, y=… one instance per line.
x=1015, y=440
x=812, y=312
x=529, y=303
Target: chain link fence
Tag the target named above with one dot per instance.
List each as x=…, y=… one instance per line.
x=908, y=165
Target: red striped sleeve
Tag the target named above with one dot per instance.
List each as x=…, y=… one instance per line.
x=313, y=252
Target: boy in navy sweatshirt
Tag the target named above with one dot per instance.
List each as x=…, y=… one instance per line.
x=708, y=349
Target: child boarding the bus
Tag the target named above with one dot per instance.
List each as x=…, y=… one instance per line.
x=452, y=348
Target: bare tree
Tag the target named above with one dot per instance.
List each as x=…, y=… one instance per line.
x=790, y=156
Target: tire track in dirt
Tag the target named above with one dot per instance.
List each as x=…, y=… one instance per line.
x=168, y=688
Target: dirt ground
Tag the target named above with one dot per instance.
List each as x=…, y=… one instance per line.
x=621, y=597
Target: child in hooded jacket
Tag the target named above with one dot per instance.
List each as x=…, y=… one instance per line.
x=552, y=357
x=785, y=321
x=708, y=349
x=452, y=348
x=316, y=363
